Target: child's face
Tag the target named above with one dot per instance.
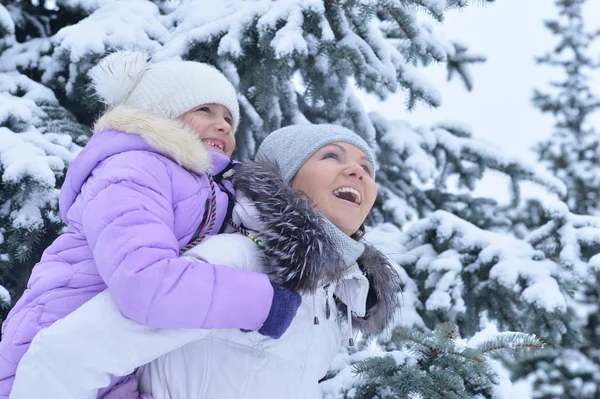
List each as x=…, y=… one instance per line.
x=212, y=123
x=338, y=179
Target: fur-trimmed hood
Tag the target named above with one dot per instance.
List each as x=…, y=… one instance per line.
x=170, y=137
x=300, y=255
x=384, y=283
x=125, y=131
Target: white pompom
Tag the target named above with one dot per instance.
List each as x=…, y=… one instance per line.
x=117, y=74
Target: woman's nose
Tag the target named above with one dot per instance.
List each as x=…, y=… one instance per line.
x=355, y=170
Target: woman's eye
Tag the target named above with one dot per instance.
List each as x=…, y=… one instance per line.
x=203, y=109
x=331, y=155
x=368, y=170
x=228, y=120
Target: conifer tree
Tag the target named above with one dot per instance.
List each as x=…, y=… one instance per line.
x=572, y=153
x=37, y=140
x=38, y=137
x=572, y=369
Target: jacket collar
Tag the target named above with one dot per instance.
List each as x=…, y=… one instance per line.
x=170, y=137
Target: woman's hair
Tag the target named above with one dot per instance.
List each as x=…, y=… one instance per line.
x=360, y=233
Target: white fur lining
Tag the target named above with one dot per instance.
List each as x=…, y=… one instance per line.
x=169, y=136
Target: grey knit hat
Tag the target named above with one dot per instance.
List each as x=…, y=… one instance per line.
x=290, y=147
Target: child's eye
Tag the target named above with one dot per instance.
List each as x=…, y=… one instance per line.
x=203, y=109
x=228, y=120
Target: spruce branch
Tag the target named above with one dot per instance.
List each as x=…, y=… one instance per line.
x=513, y=343
x=440, y=365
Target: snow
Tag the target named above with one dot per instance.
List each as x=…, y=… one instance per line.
x=228, y=20
x=88, y=6
x=26, y=152
x=401, y=210
x=4, y=296
x=412, y=148
x=436, y=6
x=415, y=80
x=290, y=38
x=404, y=141
x=515, y=264
x=120, y=24
x=21, y=157
x=25, y=55
x=7, y=26
x=388, y=238
x=346, y=378
x=124, y=24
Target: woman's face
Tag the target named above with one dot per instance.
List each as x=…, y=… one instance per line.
x=338, y=179
x=213, y=125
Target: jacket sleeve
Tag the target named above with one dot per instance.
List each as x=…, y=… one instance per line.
x=218, y=250
x=77, y=355
x=128, y=220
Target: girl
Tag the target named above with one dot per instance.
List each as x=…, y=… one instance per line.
x=148, y=183
x=316, y=251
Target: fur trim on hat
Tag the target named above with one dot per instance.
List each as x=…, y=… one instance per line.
x=169, y=136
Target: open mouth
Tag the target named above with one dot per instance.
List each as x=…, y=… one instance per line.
x=214, y=143
x=348, y=194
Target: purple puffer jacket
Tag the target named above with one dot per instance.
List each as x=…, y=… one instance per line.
x=129, y=207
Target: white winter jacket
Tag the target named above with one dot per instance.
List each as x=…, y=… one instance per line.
x=237, y=365
x=77, y=355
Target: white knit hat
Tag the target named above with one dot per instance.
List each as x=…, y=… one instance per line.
x=167, y=88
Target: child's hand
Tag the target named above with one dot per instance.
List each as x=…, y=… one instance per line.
x=283, y=310
x=126, y=389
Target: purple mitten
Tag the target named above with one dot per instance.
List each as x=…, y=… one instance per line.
x=126, y=389
x=283, y=310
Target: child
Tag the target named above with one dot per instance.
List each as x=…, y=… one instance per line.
x=147, y=185
x=316, y=251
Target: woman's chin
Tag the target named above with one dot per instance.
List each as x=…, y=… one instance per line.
x=342, y=224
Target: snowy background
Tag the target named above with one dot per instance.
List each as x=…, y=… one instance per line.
x=510, y=33
x=485, y=267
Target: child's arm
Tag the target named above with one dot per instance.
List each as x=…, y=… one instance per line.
x=128, y=220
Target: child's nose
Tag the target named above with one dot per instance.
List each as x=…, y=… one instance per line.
x=223, y=127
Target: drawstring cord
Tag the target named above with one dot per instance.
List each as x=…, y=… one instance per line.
x=351, y=339
x=316, y=319
x=245, y=232
x=327, y=312
x=211, y=218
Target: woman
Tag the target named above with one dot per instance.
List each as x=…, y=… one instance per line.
x=301, y=223
x=148, y=183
